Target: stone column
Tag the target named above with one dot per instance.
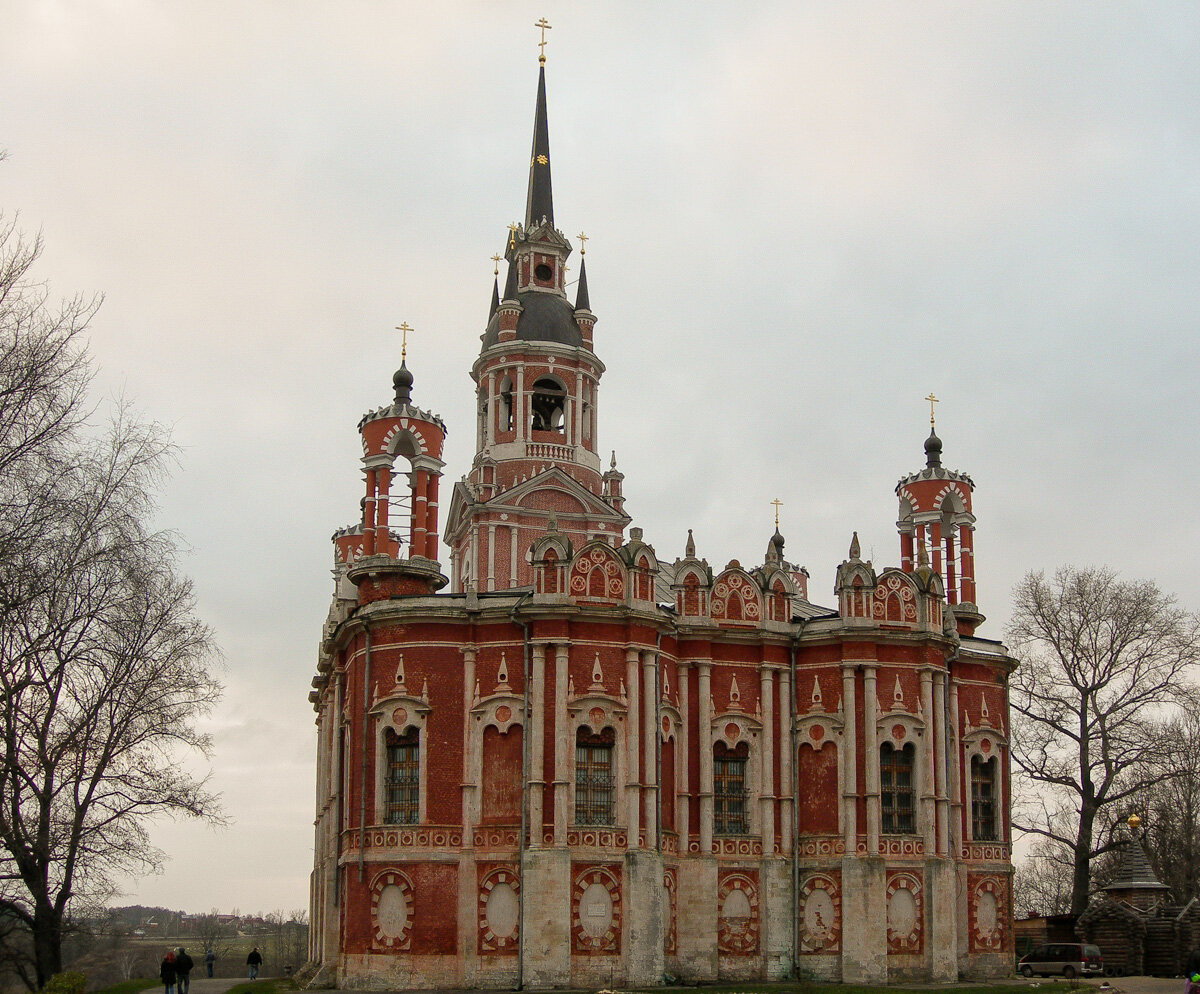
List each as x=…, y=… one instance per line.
x=955, y=776
x=650, y=747
x=849, y=772
x=766, y=786
x=537, y=743
x=417, y=522
x=941, y=753
x=512, y=556
x=633, y=791
x=518, y=405
x=704, y=692
x=927, y=765
x=368, y=525
x=562, y=746
x=383, y=483
x=470, y=786
x=491, y=556
x=492, y=413
x=787, y=799
x=871, y=755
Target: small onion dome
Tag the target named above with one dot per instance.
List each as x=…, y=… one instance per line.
x=777, y=543
x=933, y=450
x=403, y=381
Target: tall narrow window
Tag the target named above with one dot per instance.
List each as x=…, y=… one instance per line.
x=983, y=799
x=594, y=788
x=729, y=789
x=896, y=790
x=548, y=405
x=402, y=783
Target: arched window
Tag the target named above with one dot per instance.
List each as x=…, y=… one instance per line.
x=594, y=784
x=983, y=799
x=402, y=778
x=548, y=405
x=729, y=788
x=504, y=411
x=896, y=790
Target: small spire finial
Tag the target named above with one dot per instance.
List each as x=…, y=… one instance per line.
x=778, y=504
x=855, y=548
x=545, y=26
x=512, y=237
x=932, y=400
x=583, y=240
x=495, y=265
x=612, y=464
x=404, y=328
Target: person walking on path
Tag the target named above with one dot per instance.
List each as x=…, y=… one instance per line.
x=183, y=970
x=209, y=960
x=166, y=973
x=253, y=961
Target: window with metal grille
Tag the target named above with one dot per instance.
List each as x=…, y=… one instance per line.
x=983, y=799
x=594, y=787
x=402, y=780
x=896, y=790
x=729, y=789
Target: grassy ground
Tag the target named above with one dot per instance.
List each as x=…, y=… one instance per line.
x=1046, y=987
x=276, y=985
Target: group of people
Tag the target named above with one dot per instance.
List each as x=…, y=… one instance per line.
x=176, y=968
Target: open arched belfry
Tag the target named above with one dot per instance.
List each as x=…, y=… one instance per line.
x=554, y=761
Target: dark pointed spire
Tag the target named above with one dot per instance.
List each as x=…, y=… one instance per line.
x=581, y=299
x=510, y=284
x=689, y=550
x=855, y=548
x=540, y=202
x=495, y=298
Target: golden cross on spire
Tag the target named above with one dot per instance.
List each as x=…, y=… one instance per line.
x=583, y=240
x=932, y=400
x=545, y=26
x=495, y=265
x=404, y=328
x=512, y=235
x=778, y=504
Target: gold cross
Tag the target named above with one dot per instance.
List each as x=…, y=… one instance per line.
x=932, y=400
x=495, y=265
x=512, y=235
x=583, y=240
x=404, y=329
x=778, y=504
x=544, y=25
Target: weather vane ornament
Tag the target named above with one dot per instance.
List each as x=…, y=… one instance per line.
x=404, y=328
x=496, y=265
x=545, y=26
x=932, y=400
x=583, y=240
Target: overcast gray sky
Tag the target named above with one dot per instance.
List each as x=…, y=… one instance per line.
x=803, y=217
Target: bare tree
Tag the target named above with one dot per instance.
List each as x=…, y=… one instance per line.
x=104, y=667
x=1042, y=881
x=1170, y=808
x=1105, y=663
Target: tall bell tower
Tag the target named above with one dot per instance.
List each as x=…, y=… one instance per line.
x=937, y=528
x=537, y=389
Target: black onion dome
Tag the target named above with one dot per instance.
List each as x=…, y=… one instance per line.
x=777, y=543
x=546, y=317
x=403, y=381
x=933, y=450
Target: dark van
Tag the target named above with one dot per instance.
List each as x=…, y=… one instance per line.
x=1066, y=959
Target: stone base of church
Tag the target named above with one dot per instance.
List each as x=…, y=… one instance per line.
x=638, y=919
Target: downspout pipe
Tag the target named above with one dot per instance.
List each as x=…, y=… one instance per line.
x=658, y=818
x=793, y=765
x=525, y=734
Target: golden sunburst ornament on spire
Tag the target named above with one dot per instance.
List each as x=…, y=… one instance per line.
x=583, y=240
x=545, y=26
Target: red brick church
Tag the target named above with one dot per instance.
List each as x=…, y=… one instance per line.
x=557, y=761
